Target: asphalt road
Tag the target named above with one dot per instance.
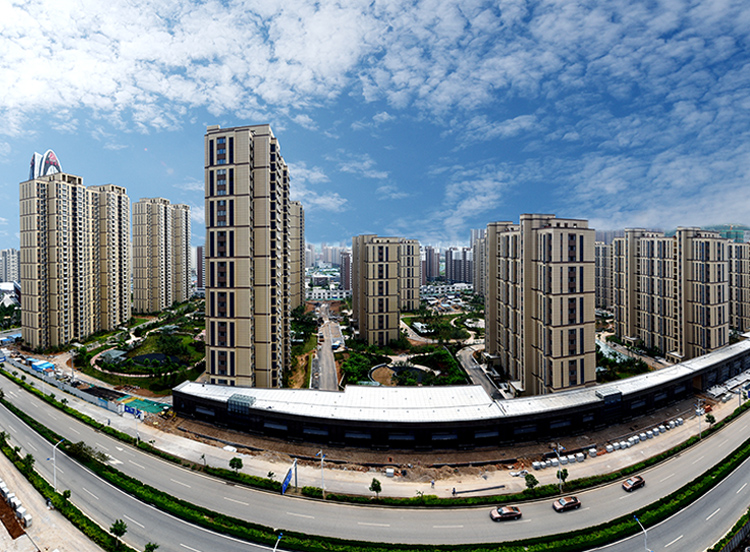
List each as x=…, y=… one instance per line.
x=445, y=526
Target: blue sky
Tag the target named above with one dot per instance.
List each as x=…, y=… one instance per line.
x=420, y=119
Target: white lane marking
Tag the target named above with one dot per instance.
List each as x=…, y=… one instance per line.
x=178, y=482
x=740, y=489
x=74, y=430
x=697, y=460
x=674, y=541
x=35, y=405
x=447, y=526
x=32, y=446
x=298, y=515
x=623, y=497
x=134, y=521
x=238, y=501
x=101, y=446
x=189, y=548
x=137, y=464
x=92, y=494
x=13, y=429
x=51, y=415
x=114, y=461
x=663, y=480
x=374, y=524
x=712, y=515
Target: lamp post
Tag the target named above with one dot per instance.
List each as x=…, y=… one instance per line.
x=278, y=540
x=699, y=411
x=645, y=535
x=322, y=480
x=559, y=468
x=54, y=466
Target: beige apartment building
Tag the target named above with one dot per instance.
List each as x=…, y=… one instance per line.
x=296, y=254
x=603, y=275
x=161, y=254
x=739, y=286
x=672, y=293
x=539, y=308
x=247, y=256
x=386, y=275
x=75, y=259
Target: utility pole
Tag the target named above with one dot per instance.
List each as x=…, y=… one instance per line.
x=699, y=412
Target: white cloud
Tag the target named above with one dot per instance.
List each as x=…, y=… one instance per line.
x=359, y=164
x=389, y=191
x=306, y=188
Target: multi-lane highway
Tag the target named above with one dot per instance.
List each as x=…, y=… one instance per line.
x=705, y=521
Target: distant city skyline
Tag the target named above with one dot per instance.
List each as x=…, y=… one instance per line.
x=399, y=119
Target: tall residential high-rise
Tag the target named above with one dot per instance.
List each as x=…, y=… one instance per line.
x=200, y=268
x=603, y=275
x=458, y=265
x=385, y=281
x=739, y=286
x=539, y=310
x=9, y=263
x=248, y=300
x=432, y=263
x=672, y=293
x=296, y=254
x=346, y=270
x=161, y=254
x=75, y=259
x=479, y=264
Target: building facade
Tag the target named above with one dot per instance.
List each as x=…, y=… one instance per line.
x=603, y=275
x=346, y=270
x=431, y=264
x=248, y=250
x=459, y=265
x=75, y=259
x=539, y=310
x=161, y=254
x=296, y=254
x=385, y=280
x=672, y=294
x=9, y=263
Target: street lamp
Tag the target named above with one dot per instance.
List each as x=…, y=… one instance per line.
x=699, y=411
x=54, y=466
x=322, y=480
x=559, y=468
x=278, y=540
x=645, y=535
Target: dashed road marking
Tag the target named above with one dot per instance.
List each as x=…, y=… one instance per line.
x=674, y=541
x=92, y=494
x=134, y=521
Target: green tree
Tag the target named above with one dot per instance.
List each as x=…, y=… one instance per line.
x=376, y=487
x=28, y=463
x=236, y=464
x=531, y=481
x=562, y=475
x=66, y=495
x=150, y=547
x=710, y=419
x=118, y=529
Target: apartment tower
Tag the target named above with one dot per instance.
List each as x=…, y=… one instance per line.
x=385, y=281
x=672, y=294
x=9, y=263
x=248, y=250
x=296, y=254
x=75, y=259
x=603, y=275
x=539, y=308
x=161, y=254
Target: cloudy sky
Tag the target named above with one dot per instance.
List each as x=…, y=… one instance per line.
x=420, y=119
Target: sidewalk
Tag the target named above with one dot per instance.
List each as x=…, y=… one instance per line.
x=352, y=479
x=49, y=530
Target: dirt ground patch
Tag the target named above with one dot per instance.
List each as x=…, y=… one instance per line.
x=8, y=517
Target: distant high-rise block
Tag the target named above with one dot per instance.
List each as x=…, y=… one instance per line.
x=458, y=265
x=539, y=310
x=9, y=263
x=248, y=257
x=296, y=254
x=603, y=275
x=161, y=249
x=346, y=270
x=385, y=281
x=75, y=259
x=432, y=263
x=200, y=268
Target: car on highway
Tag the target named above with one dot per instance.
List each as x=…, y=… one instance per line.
x=566, y=503
x=505, y=512
x=635, y=482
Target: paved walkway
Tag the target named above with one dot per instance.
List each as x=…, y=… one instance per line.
x=49, y=530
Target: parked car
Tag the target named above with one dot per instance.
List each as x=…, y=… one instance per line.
x=566, y=503
x=505, y=512
x=633, y=483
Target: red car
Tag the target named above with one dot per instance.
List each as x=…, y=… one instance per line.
x=566, y=503
x=505, y=512
x=635, y=482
